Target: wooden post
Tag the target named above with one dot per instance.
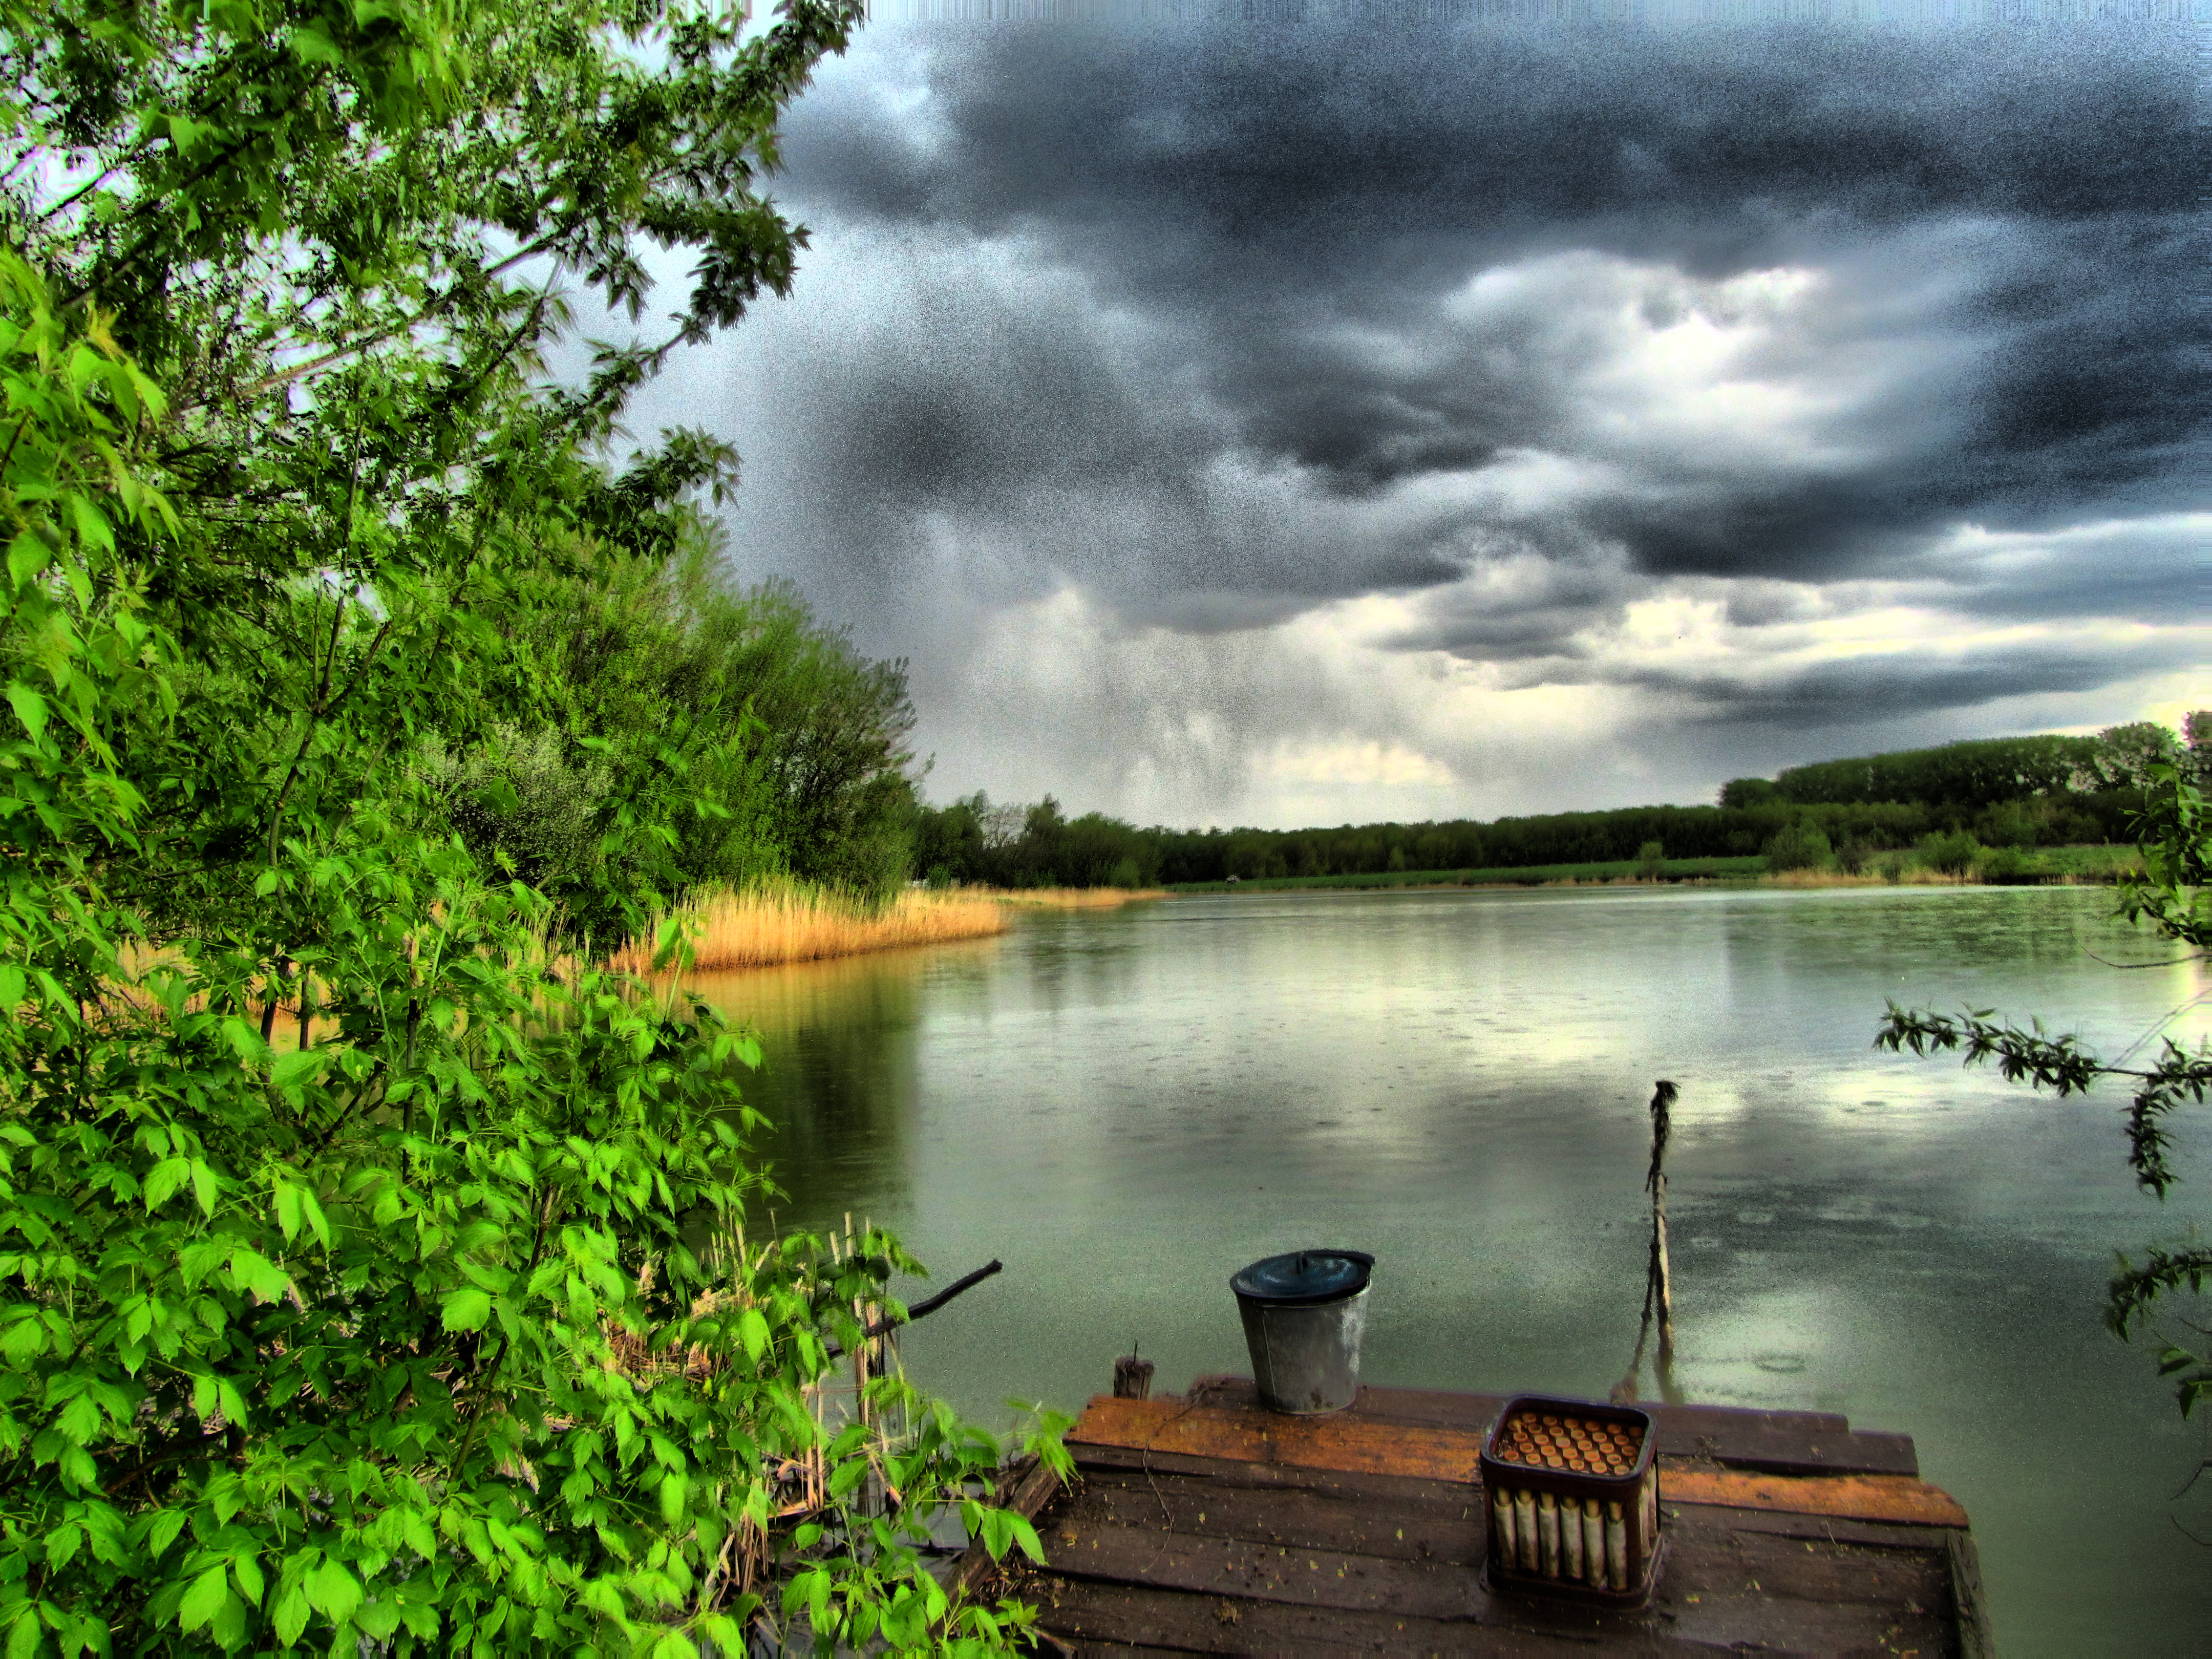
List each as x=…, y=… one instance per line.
x=1658, y=1276
x=1661, y=1293
x=1133, y=1377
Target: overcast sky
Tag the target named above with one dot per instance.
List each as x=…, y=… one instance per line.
x=1264, y=423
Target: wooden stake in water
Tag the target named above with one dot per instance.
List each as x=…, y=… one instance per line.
x=1658, y=1278
x=1133, y=1377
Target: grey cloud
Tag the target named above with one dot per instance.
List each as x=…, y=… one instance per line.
x=1858, y=689
x=1272, y=200
x=1181, y=316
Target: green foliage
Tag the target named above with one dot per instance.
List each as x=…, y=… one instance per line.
x=2173, y=893
x=1951, y=853
x=2170, y=895
x=695, y=687
x=1800, y=846
x=1039, y=845
x=1651, y=860
x=348, y=1279
x=823, y=762
x=1971, y=774
x=1985, y=791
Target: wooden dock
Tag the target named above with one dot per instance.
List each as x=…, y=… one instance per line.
x=1207, y=1524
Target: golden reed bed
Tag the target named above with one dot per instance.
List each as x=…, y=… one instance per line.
x=765, y=926
x=1068, y=898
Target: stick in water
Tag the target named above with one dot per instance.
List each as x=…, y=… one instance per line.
x=1662, y=1279
x=1658, y=1278
x=927, y=1305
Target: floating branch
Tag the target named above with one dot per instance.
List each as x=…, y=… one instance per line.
x=927, y=1305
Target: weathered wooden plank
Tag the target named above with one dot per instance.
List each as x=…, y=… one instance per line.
x=1244, y=1570
x=1708, y=1554
x=1970, y=1608
x=1195, y=1507
x=1432, y=1408
x=1825, y=1529
x=1781, y=1443
x=1451, y=1497
x=1361, y=1446
x=1753, y=1621
x=1100, y=1619
x=1339, y=1442
x=1024, y=1488
x=1889, y=1497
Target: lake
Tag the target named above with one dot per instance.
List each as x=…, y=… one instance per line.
x=1126, y=1107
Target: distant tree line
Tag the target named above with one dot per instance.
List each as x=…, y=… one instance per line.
x=2002, y=792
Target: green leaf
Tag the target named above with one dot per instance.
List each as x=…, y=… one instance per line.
x=163, y=1180
x=1025, y=1535
x=30, y=709
x=28, y=558
x=92, y=525
x=204, y=1186
x=291, y=1070
x=466, y=1309
x=289, y=1615
x=254, y=1273
x=335, y=1592
x=312, y=43
x=752, y=1331
x=161, y=1531
x=204, y=1599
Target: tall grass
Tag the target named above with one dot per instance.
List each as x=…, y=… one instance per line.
x=1064, y=898
x=793, y=921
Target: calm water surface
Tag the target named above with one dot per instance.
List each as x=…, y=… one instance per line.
x=1128, y=1106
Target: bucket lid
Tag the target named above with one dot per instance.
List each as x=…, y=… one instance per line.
x=1305, y=1276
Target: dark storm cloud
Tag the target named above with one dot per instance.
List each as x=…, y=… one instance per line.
x=1260, y=190
x=1213, y=324
x=1856, y=689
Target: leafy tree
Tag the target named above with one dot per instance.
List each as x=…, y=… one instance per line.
x=2174, y=896
x=350, y=1277
x=1973, y=775
x=1801, y=846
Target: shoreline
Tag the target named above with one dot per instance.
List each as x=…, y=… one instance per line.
x=2067, y=867
x=782, y=924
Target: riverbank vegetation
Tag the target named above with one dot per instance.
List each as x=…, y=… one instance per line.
x=1998, y=866
x=2025, y=808
x=340, y=648
x=779, y=922
x=778, y=919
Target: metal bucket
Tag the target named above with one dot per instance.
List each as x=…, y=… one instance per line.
x=1304, y=1314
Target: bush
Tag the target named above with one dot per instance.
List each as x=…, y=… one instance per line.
x=1800, y=846
x=350, y=1293
x=1651, y=860
x=1951, y=853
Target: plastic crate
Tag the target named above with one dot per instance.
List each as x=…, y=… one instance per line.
x=1589, y=1533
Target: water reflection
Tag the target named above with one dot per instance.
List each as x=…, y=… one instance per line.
x=837, y=1075
x=1127, y=1108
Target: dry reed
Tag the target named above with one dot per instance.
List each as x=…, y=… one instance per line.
x=1064, y=898
x=767, y=925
